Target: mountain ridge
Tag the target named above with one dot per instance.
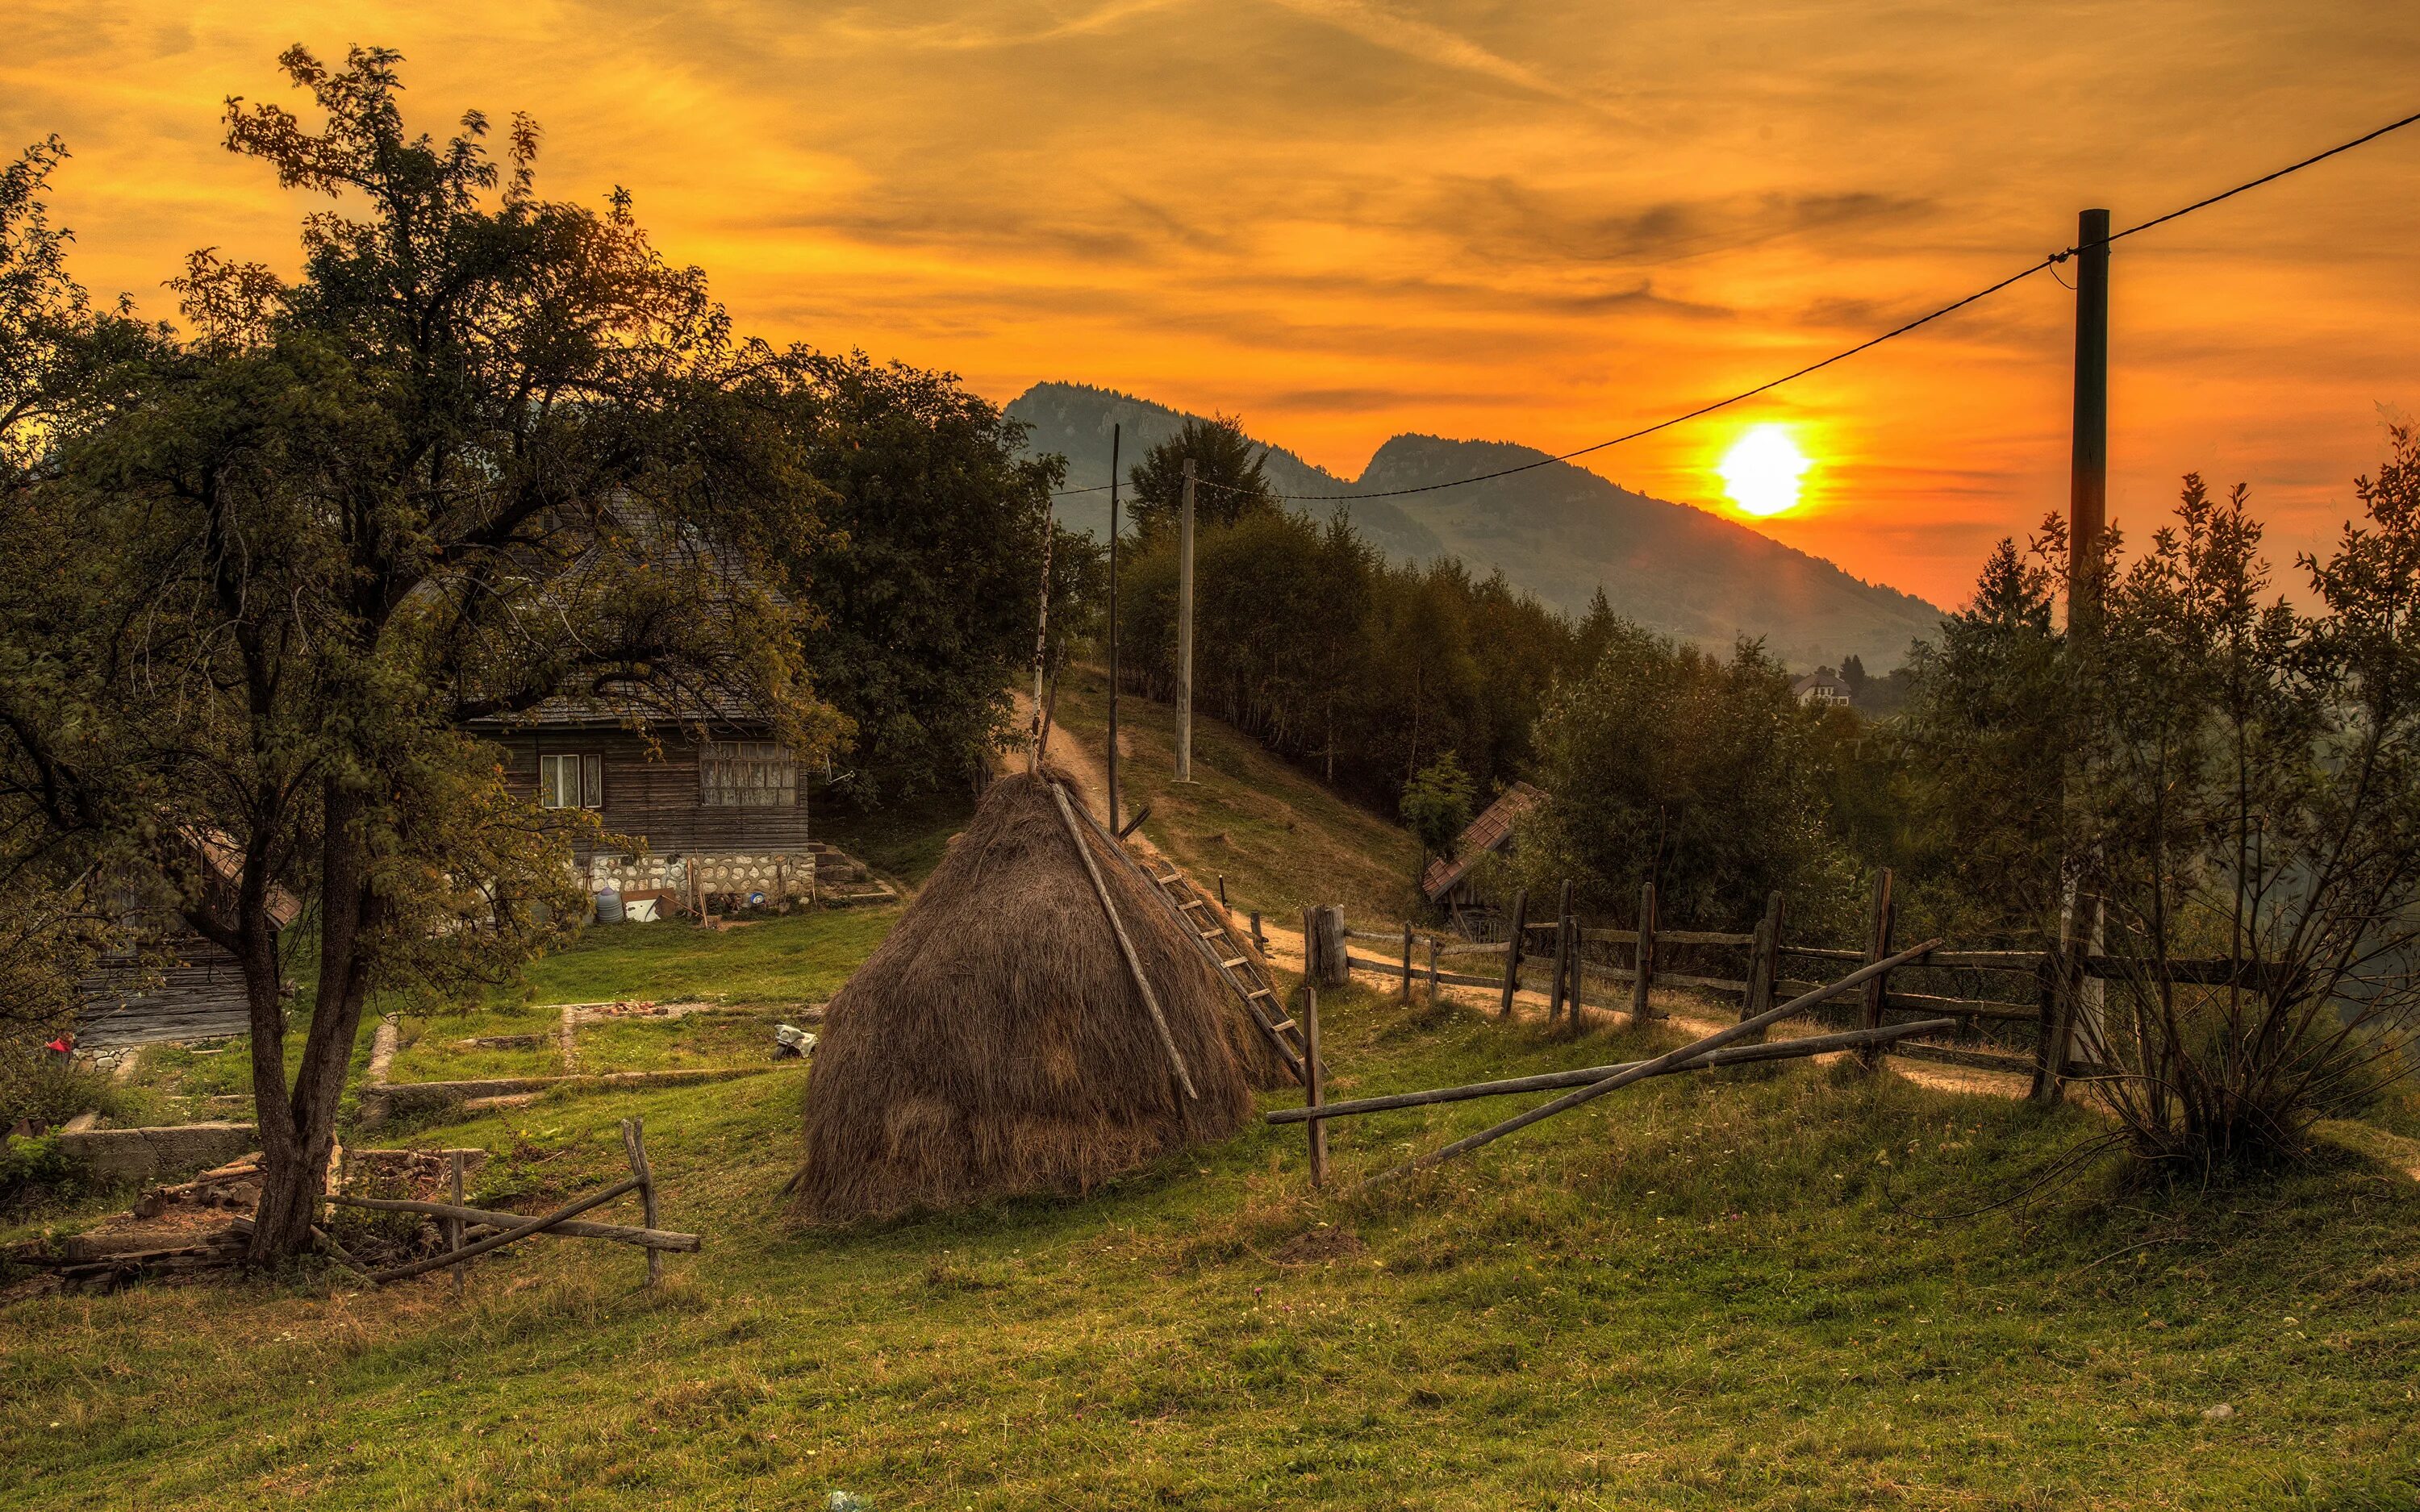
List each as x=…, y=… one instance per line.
x=1557, y=531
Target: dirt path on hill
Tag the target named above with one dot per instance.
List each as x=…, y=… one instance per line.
x=1283, y=947
x=1082, y=767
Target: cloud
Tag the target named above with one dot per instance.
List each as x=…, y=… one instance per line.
x=1432, y=44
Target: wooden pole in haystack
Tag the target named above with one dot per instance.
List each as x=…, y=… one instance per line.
x=1041, y=638
x=1185, y=632
x=1126, y=946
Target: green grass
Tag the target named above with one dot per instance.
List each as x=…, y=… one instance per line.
x=1728, y=1291
x=1760, y=1289
x=1282, y=841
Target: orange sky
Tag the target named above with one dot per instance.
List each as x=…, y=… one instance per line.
x=1342, y=219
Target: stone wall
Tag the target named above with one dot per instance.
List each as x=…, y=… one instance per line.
x=106, y=1155
x=723, y=874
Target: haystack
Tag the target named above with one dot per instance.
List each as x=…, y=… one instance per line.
x=997, y=1043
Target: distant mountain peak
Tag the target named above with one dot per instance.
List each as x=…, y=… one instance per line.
x=1556, y=530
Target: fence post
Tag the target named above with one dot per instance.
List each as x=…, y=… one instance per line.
x=2061, y=979
x=1314, y=1076
x=1764, y=961
x=454, y=1226
x=1407, y=961
x=1433, y=971
x=1563, y=953
x=1335, y=969
x=1513, y=950
x=1260, y=941
x=1878, y=945
x=1645, y=975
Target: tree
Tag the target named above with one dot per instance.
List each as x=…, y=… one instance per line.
x=924, y=580
x=1437, y=806
x=488, y=450
x=1664, y=762
x=1229, y=484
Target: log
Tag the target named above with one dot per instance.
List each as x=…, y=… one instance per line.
x=1512, y=941
x=535, y=1225
x=1117, y=925
x=634, y=1141
x=665, y=1239
x=1656, y=1067
x=1813, y=1044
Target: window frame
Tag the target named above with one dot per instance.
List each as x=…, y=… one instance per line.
x=587, y=777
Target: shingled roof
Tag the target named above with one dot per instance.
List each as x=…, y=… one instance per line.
x=1488, y=833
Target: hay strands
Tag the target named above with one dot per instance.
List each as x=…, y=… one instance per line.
x=1126, y=945
x=1671, y=1060
x=1817, y=1044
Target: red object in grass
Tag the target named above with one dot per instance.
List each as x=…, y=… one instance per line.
x=60, y=1044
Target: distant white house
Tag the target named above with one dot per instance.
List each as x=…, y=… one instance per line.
x=1822, y=691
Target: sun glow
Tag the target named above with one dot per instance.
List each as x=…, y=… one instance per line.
x=1762, y=470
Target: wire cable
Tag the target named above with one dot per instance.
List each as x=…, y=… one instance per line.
x=1895, y=331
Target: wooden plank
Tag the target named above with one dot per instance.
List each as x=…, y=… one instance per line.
x=1643, y=962
x=1700, y=937
x=1314, y=1080
x=1877, y=949
x=1450, y=978
x=1117, y=926
x=520, y=1231
x=1640, y=1070
x=498, y=1222
x=1548, y=1081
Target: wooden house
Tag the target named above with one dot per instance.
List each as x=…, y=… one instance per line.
x=706, y=811
x=165, y=983
x=1448, y=881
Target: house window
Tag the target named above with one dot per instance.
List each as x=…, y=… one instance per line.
x=571, y=782
x=746, y=774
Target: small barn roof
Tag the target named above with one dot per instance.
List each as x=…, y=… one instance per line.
x=1488, y=833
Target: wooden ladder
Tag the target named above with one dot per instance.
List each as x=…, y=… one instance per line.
x=1208, y=927
x=1211, y=929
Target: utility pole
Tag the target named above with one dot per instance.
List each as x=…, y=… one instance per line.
x=1185, y=632
x=1113, y=627
x=2081, y=917
x=2087, y=499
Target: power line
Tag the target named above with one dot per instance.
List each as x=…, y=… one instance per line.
x=1895, y=331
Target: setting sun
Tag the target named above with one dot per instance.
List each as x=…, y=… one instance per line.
x=1761, y=470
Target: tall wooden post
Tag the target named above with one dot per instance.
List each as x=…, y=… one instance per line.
x=454, y=1226
x=1563, y=953
x=1433, y=971
x=1513, y=950
x=1644, y=977
x=2087, y=499
x=1260, y=941
x=1764, y=961
x=2087, y=518
x=1336, y=966
x=1115, y=820
x=1185, y=632
x=1314, y=1078
x=1407, y=961
x=1878, y=945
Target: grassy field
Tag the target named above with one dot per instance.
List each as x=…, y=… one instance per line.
x=1761, y=1288
x=1282, y=840
x=1733, y=1291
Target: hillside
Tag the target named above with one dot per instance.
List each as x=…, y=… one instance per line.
x=1716, y=1291
x=1559, y=530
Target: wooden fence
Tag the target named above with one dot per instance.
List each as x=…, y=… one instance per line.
x=2014, y=1011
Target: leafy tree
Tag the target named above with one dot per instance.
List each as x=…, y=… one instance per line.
x=490, y=449
x=1437, y=806
x=925, y=581
x=1227, y=470
x=1661, y=761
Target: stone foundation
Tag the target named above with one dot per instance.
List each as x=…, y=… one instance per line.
x=734, y=875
